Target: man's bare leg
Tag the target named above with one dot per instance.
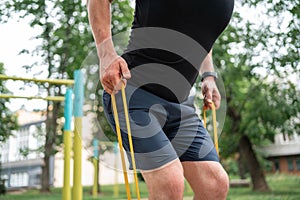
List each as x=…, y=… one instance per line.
x=166, y=183
x=208, y=180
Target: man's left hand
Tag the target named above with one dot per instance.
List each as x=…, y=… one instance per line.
x=211, y=93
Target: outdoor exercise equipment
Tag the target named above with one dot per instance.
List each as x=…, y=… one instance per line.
x=68, y=111
x=78, y=114
x=119, y=136
x=96, y=167
x=214, y=117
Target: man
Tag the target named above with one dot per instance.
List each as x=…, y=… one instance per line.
x=169, y=42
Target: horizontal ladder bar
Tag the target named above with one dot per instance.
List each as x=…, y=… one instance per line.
x=50, y=81
x=49, y=98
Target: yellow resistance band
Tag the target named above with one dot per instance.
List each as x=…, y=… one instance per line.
x=214, y=116
x=121, y=144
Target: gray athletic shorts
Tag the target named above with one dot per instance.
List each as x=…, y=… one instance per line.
x=162, y=131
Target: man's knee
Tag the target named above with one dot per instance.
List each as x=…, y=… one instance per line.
x=217, y=186
x=220, y=185
x=174, y=187
x=166, y=183
x=208, y=179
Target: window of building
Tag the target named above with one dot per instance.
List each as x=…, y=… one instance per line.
x=23, y=142
x=5, y=152
x=298, y=163
x=276, y=165
x=19, y=179
x=24, y=138
x=290, y=164
x=36, y=180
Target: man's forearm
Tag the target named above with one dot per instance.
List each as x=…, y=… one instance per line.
x=100, y=22
x=207, y=64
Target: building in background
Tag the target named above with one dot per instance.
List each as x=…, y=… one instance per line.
x=22, y=158
x=284, y=153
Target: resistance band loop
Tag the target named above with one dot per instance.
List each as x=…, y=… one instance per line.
x=214, y=116
x=121, y=144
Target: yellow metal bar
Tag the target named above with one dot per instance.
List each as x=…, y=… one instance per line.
x=49, y=98
x=77, y=185
x=95, y=185
x=67, y=165
x=50, y=81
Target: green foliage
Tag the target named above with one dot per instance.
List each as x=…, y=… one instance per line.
x=230, y=165
x=8, y=120
x=257, y=60
x=2, y=187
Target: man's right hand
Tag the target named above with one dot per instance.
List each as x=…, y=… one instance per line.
x=113, y=72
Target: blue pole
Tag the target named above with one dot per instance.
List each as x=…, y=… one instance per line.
x=78, y=114
x=96, y=149
x=68, y=109
x=79, y=93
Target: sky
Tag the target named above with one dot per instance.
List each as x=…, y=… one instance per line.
x=15, y=36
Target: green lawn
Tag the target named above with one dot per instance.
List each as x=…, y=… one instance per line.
x=283, y=188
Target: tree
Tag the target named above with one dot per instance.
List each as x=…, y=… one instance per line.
x=261, y=98
x=8, y=119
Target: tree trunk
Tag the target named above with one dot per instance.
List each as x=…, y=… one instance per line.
x=242, y=167
x=51, y=126
x=46, y=175
x=257, y=176
x=47, y=152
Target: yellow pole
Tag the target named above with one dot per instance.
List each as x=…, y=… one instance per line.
x=96, y=166
x=78, y=114
x=77, y=185
x=68, y=111
x=95, y=185
x=67, y=165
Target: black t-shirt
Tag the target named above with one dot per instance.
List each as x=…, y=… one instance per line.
x=170, y=39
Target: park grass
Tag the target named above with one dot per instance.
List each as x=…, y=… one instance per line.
x=284, y=187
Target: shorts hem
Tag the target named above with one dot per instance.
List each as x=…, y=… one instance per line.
x=161, y=167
